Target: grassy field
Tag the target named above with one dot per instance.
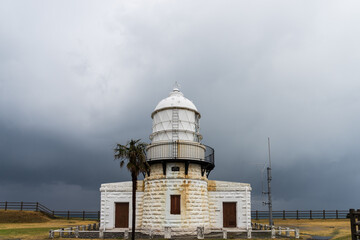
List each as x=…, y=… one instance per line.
x=337, y=229
x=32, y=225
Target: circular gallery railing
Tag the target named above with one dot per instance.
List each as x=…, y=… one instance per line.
x=210, y=155
x=179, y=150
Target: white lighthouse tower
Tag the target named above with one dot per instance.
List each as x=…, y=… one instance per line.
x=176, y=188
x=176, y=193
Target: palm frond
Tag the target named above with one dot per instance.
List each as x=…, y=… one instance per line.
x=134, y=154
x=122, y=163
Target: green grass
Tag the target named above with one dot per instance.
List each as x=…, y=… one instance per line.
x=347, y=237
x=335, y=232
x=336, y=228
x=32, y=225
x=13, y=216
x=16, y=232
x=21, y=225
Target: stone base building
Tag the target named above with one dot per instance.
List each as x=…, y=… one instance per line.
x=176, y=192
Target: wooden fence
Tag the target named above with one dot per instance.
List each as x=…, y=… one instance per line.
x=284, y=214
x=38, y=207
x=355, y=223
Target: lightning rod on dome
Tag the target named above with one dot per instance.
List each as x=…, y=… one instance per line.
x=177, y=86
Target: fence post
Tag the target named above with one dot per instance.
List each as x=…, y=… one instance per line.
x=323, y=214
x=167, y=233
x=224, y=234
x=37, y=206
x=352, y=223
x=53, y=213
x=101, y=233
x=257, y=215
x=357, y=220
x=284, y=215
x=200, y=232
x=21, y=206
x=5, y=205
x=287, y=232
x=68, y=215
x=98, y=215
x=248, y=233
x=310, y=215
x=83, y=215
x=77, y=232
x=51, y=234
x=337, y=214
x=297, y=214
x=272, y=232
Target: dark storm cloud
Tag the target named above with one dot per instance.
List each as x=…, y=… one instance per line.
x=75, y=78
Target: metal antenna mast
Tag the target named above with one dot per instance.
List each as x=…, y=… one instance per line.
x=269, y=203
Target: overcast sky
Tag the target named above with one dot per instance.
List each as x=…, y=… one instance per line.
x=76, y=77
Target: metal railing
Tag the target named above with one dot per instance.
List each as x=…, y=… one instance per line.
x=38, y=207
x=180, y=150
x=301, y=214
x=256, y=215
x=209, y=155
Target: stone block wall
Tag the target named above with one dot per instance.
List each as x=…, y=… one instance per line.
x=201, y=201
x=194, y=199
x=112, y=193
x=221, y=191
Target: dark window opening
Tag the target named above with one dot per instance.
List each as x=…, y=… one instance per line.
x=175, y=204
x=175, y=169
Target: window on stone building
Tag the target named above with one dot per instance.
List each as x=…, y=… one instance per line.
x=175, y=204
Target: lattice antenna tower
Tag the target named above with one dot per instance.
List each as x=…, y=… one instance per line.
x=269, y=178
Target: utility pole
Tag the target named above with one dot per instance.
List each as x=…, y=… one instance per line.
x=269, y=203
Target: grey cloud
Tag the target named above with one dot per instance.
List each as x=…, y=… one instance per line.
x=77, y=78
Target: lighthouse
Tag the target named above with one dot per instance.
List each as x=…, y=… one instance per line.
x=176, y=193
x=176, y=190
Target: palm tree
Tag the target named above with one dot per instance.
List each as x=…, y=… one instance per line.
x=134, y=154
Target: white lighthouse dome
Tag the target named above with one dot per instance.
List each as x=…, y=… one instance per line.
x=175, y=118
x=175, y=99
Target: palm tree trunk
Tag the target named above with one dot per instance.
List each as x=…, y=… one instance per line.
x=134, y=183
